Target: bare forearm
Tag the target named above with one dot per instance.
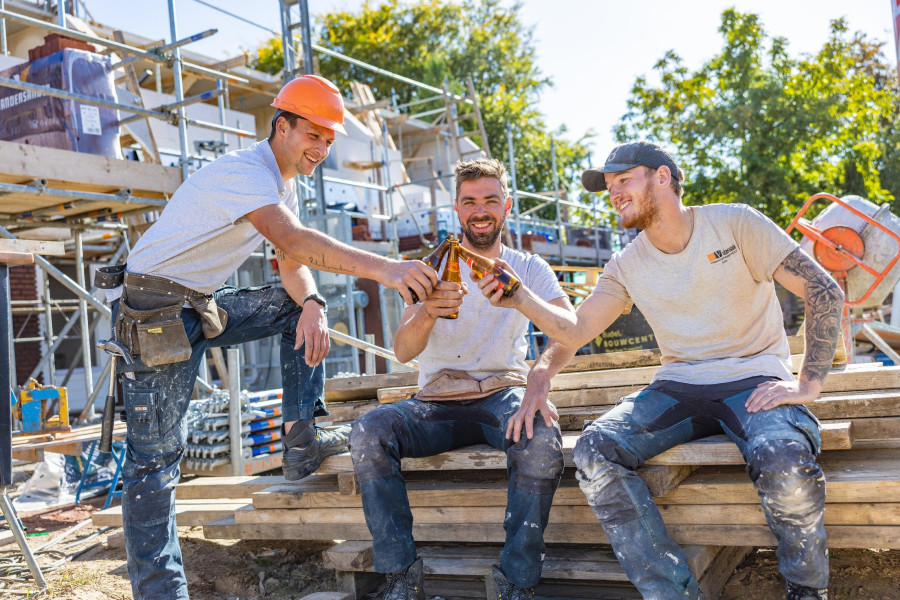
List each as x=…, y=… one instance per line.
x=556, y=322
x=296, y=279
x=317, y=250
x=553, y=360
x=413, y=333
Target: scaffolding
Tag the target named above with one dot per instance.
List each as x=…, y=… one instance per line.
x=409, y=156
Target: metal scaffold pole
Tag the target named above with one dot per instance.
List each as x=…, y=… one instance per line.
x=559, y=223
x=515, y=195
x=179, y=94
x=85, y=327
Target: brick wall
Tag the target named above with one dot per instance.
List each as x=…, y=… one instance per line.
x=23, y=286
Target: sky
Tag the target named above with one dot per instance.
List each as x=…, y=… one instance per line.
x=593, y=50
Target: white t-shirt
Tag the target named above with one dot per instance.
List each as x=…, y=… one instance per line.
x=486, y=340
x=203, y=235
x=712, y=306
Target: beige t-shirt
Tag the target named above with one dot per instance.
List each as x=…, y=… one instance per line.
x=712, y=306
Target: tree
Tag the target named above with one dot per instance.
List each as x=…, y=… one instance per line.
x=754, y=125
x=444, y=40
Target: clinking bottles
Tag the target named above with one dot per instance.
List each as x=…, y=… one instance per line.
x=451, y=269
x=482, y=266
x=434, y=259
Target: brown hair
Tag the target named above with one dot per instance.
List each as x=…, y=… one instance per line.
x=481, y=167
x=676, y=185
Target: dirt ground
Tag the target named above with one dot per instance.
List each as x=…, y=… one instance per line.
x=248, y=570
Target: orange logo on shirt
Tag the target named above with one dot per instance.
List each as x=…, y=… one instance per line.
x=720, y=255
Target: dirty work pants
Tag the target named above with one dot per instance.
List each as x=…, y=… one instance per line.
x=779, y=446
x=415, y=429
x=156, y=401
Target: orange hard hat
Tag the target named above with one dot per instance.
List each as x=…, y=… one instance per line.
x=314, y=98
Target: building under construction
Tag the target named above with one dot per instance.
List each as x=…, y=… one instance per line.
x=100, y=126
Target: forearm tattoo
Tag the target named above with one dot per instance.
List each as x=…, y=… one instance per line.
x=279, y=254
x=824, y=302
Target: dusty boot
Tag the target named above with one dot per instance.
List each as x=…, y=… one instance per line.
x=798, y=592
x=306, y=446
x=407, y=584
x=507, y=590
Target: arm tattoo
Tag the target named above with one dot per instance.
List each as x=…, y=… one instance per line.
x=824, y=303
x=279, y=254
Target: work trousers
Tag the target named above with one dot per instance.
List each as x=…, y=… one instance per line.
x=381, y=438
x=156, y=400
x=779, y=446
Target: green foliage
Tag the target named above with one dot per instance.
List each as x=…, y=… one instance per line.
x=434, y=41
x=757, y=126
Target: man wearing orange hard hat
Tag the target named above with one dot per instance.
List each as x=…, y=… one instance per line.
x=169, y=306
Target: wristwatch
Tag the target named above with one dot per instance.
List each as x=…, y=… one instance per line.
x=316, y=297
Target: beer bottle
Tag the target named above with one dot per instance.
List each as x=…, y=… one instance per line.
x=482, y=266
x=433, y=260
x=451, y=270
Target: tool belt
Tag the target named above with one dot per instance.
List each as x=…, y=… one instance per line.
x=149, y=318
x=450, y=385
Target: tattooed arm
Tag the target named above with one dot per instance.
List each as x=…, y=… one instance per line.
x=803, y=276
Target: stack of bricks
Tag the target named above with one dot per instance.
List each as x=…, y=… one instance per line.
x=23, y=286
x=54, y=43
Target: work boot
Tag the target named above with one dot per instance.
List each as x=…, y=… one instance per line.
x=507, y=590
x=406, y=584
x=306, y=446
x=799, y=592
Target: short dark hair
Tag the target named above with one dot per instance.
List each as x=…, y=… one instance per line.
x=481, y=167
x=291, y=119
x=674, y=182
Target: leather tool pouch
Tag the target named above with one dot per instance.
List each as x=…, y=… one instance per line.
x=157, y=335
x=450, y=385
x=149, y=319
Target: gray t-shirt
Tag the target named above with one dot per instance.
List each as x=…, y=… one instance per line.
x=486, y=340
x=203, y=235
x=712, y=306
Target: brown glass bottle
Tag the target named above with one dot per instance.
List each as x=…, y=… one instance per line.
x=434, y=259
x=451, y=269
x=482, y=266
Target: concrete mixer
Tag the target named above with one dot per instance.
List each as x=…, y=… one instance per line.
x=857, y=242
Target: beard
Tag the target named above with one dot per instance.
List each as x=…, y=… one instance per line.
x=647, y=215
x=482, y=241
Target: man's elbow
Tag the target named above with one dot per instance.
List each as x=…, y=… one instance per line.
x=403, y=354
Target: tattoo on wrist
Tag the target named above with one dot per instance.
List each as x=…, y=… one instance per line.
x=320, y=263
x=824, y=304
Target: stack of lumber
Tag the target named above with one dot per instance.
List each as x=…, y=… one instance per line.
x=702, y=489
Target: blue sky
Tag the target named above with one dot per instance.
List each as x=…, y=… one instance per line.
x=592, y=49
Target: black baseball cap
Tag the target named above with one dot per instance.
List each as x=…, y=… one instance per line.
x=629, y=156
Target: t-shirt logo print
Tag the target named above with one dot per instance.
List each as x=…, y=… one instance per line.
x=720, y=255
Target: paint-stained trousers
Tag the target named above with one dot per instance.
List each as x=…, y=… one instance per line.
x=156, y=401
x=381, y=438
x=779, y=446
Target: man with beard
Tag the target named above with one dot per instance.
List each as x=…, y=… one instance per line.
x=703, y=277
x=471, y=376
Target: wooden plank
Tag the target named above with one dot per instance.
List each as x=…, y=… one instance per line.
x=713, y=581
x=347, y=484
x=188, y=513
x=713, y=450
x=842, y=379
x=33, y=247
x=23, y=163
x=880, y=514
x=661, y=479
x=242, y=486
x=847, y=481
x=349, y=556
x=839, y=536
x=329, y=596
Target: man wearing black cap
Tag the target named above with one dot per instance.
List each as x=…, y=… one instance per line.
x=704, y=278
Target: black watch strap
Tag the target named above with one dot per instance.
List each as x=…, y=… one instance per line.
x=316, y=297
